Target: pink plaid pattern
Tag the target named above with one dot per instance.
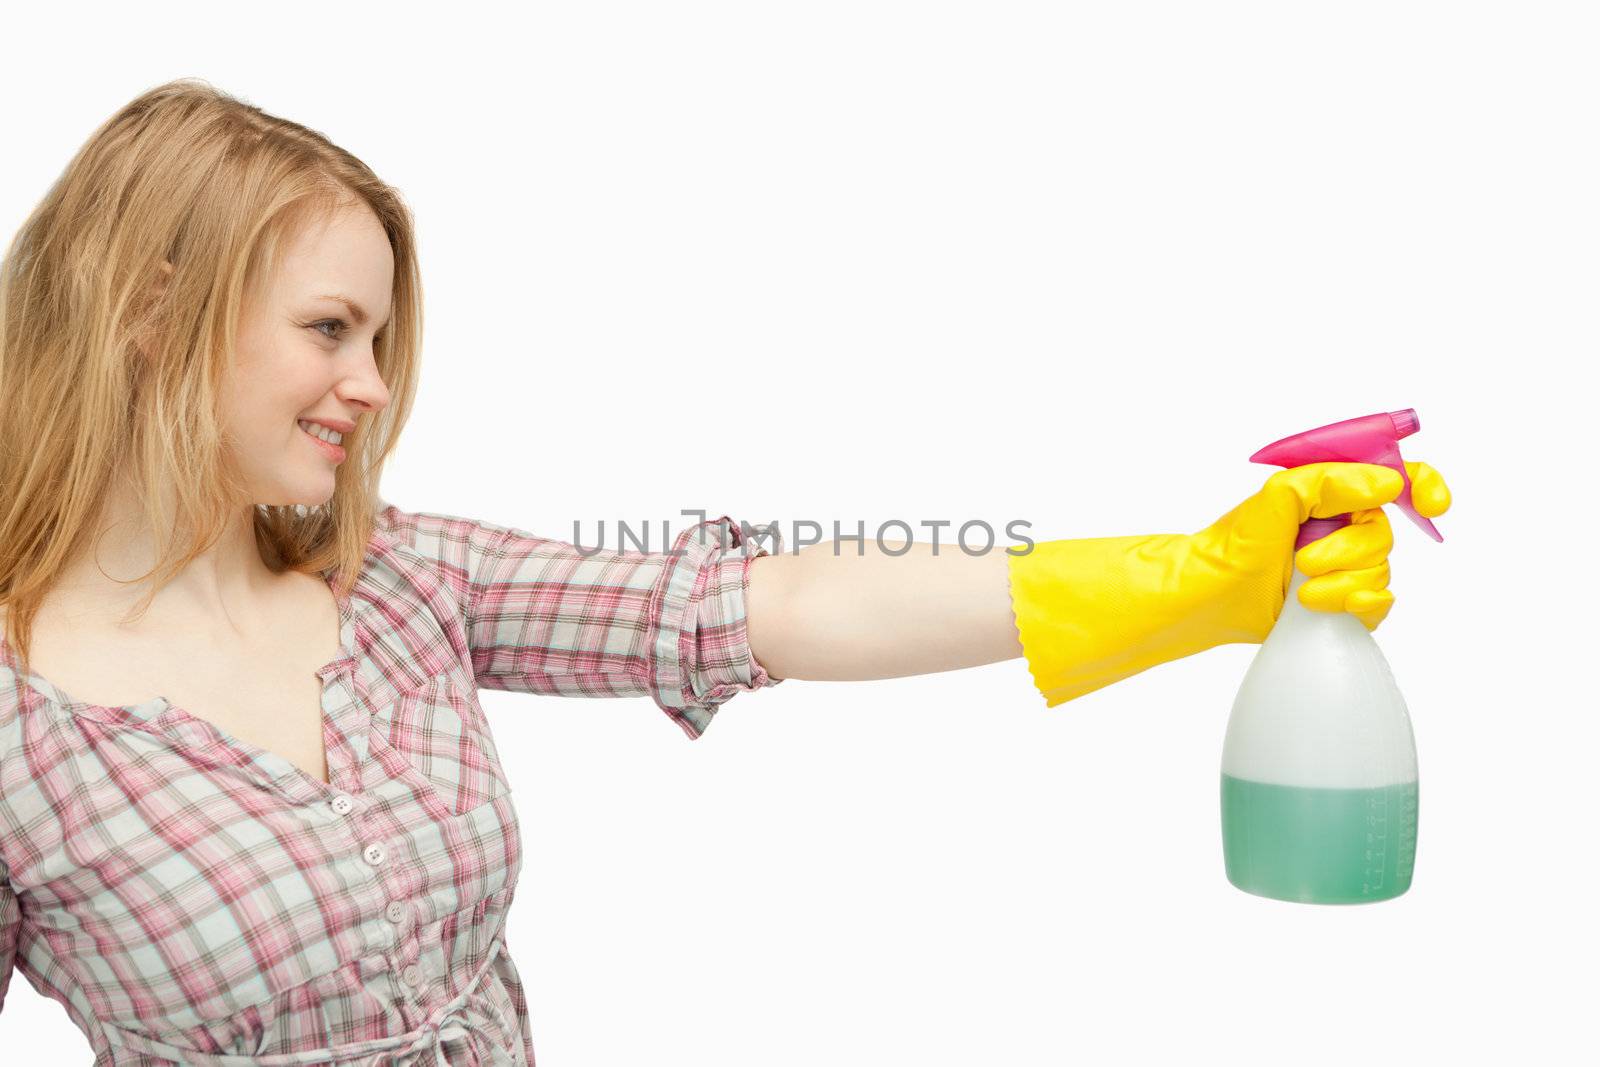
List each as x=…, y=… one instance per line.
x=190, y=898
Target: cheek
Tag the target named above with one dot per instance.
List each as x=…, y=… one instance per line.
x=292, y=376
x=262, y=409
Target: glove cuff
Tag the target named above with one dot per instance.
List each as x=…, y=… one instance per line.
x=1093, y=611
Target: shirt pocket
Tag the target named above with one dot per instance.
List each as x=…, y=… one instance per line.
x=440, y=730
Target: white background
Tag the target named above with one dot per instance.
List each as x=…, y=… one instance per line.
x=1070, y=263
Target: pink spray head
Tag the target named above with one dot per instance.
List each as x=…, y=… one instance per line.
x=1369, y=439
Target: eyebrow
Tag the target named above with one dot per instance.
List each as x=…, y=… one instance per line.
x=357, y=312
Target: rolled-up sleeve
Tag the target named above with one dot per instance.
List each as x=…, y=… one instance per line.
x=703, y=656
x=543, y=616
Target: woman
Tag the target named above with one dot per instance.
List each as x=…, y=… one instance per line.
x=303, y=848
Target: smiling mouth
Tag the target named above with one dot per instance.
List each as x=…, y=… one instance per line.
x=317, y=430
x=330, y=449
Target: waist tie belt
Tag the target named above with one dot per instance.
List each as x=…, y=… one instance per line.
x=450, y=1022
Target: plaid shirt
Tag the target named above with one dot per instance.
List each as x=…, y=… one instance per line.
x=191, y=898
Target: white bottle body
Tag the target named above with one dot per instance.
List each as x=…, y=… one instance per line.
x=1319, y=766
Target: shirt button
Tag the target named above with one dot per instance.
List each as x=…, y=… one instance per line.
x=396, y=911
x=412, y=975
x=374, y=854
x=343, y=805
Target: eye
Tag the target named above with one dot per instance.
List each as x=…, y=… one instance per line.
x=340, y=326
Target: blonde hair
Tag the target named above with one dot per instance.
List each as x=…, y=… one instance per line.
x=188, y=175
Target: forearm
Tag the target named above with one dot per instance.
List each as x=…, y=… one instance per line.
x=849, y=611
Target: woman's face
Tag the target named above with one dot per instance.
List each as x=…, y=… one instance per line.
x=302, y=355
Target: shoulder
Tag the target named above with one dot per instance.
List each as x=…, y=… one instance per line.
x=470, y=553
x=435, y=536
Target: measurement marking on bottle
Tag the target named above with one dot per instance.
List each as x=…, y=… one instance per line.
x=1406, y=859
x=1376, y=875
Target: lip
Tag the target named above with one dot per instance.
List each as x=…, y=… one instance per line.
x=332, y=451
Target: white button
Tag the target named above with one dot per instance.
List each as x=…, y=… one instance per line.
x=343, y=805
x=396, y=911
x=412, y=975
x=374, y=854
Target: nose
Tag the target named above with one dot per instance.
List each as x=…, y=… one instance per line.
x=365, y=388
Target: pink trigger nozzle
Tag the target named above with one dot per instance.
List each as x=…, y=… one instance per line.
x=1405, y=422
x=1369, y=439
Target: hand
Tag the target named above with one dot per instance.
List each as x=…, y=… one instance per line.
x=1348, y=570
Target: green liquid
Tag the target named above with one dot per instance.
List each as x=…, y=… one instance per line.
x=1319, y=846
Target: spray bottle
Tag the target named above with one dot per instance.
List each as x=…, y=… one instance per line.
x=1319, y=766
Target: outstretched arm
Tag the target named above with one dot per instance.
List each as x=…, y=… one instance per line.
x=1091, y=610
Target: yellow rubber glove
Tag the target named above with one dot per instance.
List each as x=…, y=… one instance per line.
x=1094, y=611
